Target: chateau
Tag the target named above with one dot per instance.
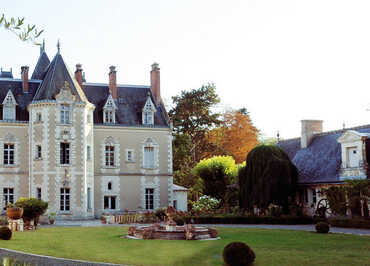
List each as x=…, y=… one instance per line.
x=86, y=148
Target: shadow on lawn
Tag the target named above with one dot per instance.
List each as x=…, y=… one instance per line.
x=206, y=256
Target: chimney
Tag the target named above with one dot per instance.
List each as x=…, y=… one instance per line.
x=78, y=74
x=113, y=82
x=309, y=129
x=155, y=82
x=24, y=74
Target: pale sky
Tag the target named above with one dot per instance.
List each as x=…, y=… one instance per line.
x=283, y=60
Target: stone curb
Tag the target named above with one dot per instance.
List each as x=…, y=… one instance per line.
x=36, y=259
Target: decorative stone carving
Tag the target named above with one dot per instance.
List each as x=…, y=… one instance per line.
x=65, y=94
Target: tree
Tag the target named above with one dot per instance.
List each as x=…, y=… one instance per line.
x=236, y=136
x=16, y=25
x=216, y=174
x=192, y=117
x=269, y=177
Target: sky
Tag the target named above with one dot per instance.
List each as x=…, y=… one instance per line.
x=283, y=60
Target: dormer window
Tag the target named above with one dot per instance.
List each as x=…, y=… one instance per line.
x=109, y=111
x=148, y=112
x=9, y=105
x=64, y=114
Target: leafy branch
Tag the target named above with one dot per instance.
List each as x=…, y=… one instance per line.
x=24, y=32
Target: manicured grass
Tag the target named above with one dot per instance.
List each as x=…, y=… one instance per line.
x=272, y=247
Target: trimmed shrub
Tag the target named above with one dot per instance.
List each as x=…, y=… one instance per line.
x=32, y=208
x=238, y=254
x=3, y=220
x=160, y=213
x=5, y=233
x=350, y=223
x=322, y=227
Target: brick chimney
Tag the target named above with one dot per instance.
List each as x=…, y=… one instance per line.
x=24, y=74
x=309, y=129
x=155, y=82
x=78, y=74
x=113, y=82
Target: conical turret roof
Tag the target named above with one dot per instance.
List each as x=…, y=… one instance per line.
x=57, y=73
x=41, y=66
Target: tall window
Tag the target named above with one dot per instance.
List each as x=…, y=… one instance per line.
x=64, y=114
x=38, y=191
x=109, y=117
x=64, y=153
x=109, y=185
x=149, y=157
x=110, y=202
x=8, y=194
x=149, y=198
x=148, y=118
x=38, y=117
x=38, y=152
x=130, y=156
x=9, y=154
x=88, y=152
x=65, y=200
x=89, y=198
x=109, y=155
x=314, y=197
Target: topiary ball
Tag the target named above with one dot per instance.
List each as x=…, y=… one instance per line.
x=5, y=233
x=322, y=227
x=238, y=254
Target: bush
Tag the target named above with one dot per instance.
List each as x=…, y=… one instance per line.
x=5, y=233
x=288, y=220
x=322, y=227
x=3, y=220
x=32, y=208
x=238, y=254
x=350, y=223
x=179, y=220
x=275, y=210
x=160, y=213
x=205, y=203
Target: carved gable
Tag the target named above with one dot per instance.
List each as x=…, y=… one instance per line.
x=109, y=104
x=9, y=99
x=149, y=106
x=65, y=94
x=350, y=136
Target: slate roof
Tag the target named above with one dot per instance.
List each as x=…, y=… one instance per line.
x=321, y=161
x=131, y=98
x=41, y=66
x=56, y=74
x=6, y=74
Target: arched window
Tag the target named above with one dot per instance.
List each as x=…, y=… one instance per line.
x=109, y=185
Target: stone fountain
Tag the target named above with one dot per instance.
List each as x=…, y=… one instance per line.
x=171, y=231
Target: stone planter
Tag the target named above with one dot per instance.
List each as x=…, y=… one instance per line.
x=14, y=213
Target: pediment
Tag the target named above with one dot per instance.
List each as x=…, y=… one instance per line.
x=9, y=99
x=109, y=104
x=65, y=94
x=149, y=105
x=350, y=136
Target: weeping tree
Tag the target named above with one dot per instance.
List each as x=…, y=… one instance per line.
x=269, y=177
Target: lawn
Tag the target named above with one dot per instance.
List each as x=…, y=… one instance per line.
x=272, y=247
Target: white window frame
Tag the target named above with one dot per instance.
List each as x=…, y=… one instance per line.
x=65, y=200
x=148, y=118
x=88, y=152
x=149, y=198
x=38, y=154
x=8, y=161
x=8, y=196
x=130, y=159
x=109, y=154
x=65, y=111
x=65, y=157
x=109, y=207
x=149, y=164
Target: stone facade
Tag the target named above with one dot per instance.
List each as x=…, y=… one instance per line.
x=67, y=154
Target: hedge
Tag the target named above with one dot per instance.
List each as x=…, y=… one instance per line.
x=287, y=220
x=350, y=223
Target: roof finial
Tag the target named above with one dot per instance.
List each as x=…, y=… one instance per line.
x=278, y=136
x=42, y=47
x=344, y=125
x=58, y=46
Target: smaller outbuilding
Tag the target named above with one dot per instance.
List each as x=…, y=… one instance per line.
x=180, y=198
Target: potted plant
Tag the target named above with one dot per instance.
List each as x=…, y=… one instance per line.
x=13, y=212
x=52, y=217
x=33, y=208
x=103, y=219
